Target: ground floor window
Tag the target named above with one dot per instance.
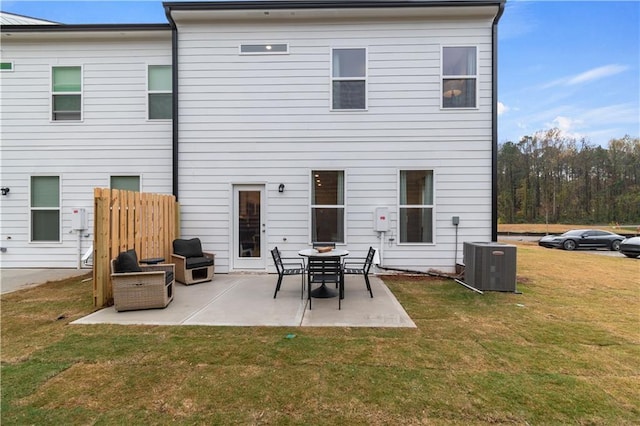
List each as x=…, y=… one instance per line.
x=416, y=206
x=127, y=183
x=327, y=206
x=45, y=208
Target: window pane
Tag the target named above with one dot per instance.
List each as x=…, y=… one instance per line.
x=66, y=79
x=62, y=103
x=127, y=183
x=160, y=77
x=459, y=93
x=416, y=187
x=327, y=224
x=263, y=48
x=160, y=106
x=416, y=225
x=45, y=225
x=459, y=61
x=349, y=95
x=45, y=191
x=349, y=63
x=328, y=188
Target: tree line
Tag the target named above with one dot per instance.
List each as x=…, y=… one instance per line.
x=551, y=178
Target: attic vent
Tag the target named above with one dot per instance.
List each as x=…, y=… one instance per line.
x=6, y=66
x=264, y=49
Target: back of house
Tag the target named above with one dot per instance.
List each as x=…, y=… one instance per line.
x=275, y=123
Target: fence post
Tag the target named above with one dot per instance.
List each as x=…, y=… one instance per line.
x=126, y=220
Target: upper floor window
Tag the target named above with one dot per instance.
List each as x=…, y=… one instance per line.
x=349, y=79
x=416, y=206
x=264, y=49
x=66, y=93
x=159, y=87
x=459, y=77
x=45, y=208
x=327, y=206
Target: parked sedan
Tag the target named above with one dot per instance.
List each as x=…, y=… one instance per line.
x=584, y=239
x=630, y=247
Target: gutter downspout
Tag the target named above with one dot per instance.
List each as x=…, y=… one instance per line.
x=494, y=123
x=174, y=88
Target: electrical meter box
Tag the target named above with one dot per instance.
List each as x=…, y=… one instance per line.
x=78, y=219
x=381, y=219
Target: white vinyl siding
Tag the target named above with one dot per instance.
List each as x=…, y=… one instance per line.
x=115, y=137
x=264, y=49
x=264, y=119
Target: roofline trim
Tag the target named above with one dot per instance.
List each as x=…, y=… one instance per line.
x=84, y=27
x=326, y=4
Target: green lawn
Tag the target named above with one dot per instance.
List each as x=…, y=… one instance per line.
x=565, y=351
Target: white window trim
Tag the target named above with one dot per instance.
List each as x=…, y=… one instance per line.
x=333, y=206
x=432, y=206
x=365, y=78
x=240, y=52
x=475, y=77
x=60, y=218
x=151, y=92
x=9, y=70
x=52, y=93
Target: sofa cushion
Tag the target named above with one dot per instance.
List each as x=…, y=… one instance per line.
x=198, y=262
x=127, y=261
x=188, y=248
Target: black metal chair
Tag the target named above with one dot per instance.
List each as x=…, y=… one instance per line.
x=287, y=268
x=360, y=266
x=322, y=270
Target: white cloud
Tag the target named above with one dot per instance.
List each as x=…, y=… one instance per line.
x=502, y=108
x=596, y=74
x=567, y=126
x=587, y=76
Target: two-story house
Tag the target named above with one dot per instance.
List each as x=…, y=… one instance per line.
x=275, y=123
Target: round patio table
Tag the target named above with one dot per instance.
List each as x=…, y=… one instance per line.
x=323, y=292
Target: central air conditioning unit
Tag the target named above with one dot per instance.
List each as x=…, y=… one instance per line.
x=490, y=266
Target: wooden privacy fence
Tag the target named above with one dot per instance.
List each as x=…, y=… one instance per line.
x=126, y=220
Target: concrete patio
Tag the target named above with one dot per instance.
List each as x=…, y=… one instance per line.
x=247, y=300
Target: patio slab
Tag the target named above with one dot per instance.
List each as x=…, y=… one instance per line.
x=247, y=300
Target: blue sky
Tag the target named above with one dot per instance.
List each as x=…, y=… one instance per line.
x=574, y=65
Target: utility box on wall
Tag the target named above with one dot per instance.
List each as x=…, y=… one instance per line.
x=490, y=266
x=78, y=219
x=381, y=219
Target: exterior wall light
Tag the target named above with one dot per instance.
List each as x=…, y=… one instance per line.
x=280, y=188
x=4, y=191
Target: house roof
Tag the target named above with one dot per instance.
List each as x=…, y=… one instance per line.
x=13, y=19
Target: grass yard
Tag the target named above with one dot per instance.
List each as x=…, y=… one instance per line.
x=565, y=351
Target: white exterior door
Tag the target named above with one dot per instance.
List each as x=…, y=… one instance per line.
x=249, y=230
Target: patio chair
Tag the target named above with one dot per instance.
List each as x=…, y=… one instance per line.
x=325, y=269
x=193, y=266
x=287, y=268
x=360, y=266
x=140, y=287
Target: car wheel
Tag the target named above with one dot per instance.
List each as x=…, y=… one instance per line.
x=569, y=245
x=615, y=245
